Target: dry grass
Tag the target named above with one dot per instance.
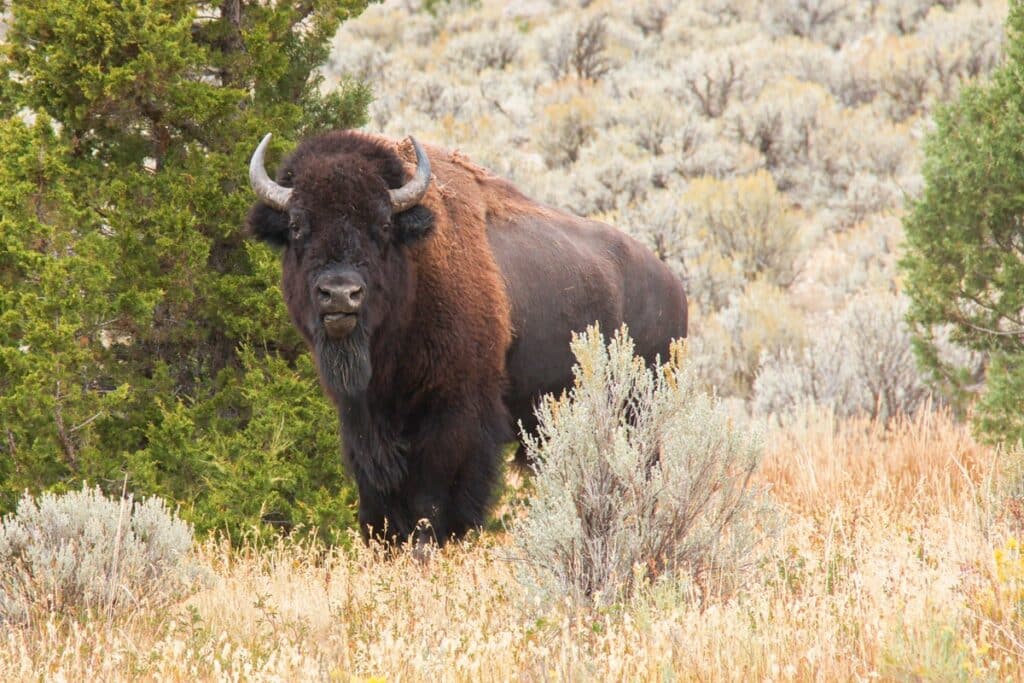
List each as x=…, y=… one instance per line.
x=895, y=562
x=924, y=464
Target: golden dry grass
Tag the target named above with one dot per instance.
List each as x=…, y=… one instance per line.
x=819, y=463
x=897, y=560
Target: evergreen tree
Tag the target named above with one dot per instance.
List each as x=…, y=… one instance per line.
x=964, y=264
x=141, y=334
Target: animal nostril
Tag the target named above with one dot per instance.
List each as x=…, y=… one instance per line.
x=340, y=294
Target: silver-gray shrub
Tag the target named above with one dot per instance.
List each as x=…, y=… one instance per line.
x=748, y=231
x=905, y=17
x=858, y=362
x=361, y=60
x=578, y=48
x=726, y=349
x=601, y=182
x=81, y=552
x=711, y=80
x=652, y=16
x=485, y=50
x=639, y=477
x=828, y=21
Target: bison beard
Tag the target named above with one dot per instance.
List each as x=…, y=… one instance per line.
x=344, y=364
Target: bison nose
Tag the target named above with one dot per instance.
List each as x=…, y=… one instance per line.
x=340, y=295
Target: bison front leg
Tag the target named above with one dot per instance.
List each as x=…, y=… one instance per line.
x=429, y=506
x=474, y=490
x=461, y=459
x=451, y=462
x=381, y=518
x=416, y=511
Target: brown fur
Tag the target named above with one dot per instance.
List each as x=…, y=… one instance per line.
x=457, y=260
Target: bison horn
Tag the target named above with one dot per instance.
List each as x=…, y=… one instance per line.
x=410, y=194
x=266, y=189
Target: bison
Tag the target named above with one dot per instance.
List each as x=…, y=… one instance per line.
x=439, y=309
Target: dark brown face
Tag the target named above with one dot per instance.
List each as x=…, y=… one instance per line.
x=333, y=269
x=345, y=262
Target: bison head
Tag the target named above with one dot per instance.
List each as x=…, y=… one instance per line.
x=344, y=214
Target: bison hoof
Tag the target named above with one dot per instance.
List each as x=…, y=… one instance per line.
x=424, y=541
x=423, y=551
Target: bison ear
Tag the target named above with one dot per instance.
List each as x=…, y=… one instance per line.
x=268, y=225
x=413, y=224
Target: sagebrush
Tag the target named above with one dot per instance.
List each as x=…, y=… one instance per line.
x=640, y=477
x=82, y=552
x=860, y=361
